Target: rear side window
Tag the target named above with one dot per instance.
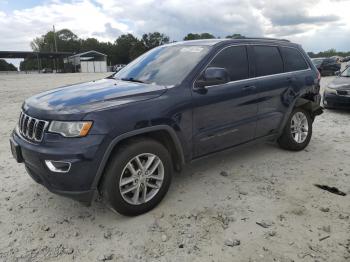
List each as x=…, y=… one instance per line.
x=293, y=60
x=234, y=60
x=268, y=60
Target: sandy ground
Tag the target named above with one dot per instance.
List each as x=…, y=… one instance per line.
x=208, y=214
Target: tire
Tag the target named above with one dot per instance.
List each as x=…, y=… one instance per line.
x=119, y=170
x=325, y=106
x=296, y=139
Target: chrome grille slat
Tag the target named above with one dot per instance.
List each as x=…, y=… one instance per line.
x=27, y=126
x=22, y=121
x=31, y=128
x=34, y=129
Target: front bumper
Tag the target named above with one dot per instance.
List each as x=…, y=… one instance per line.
x=84, y=154
x=336, y=101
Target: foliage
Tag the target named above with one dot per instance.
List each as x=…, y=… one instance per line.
x=328, y=53
x=192, y=36
x=124, y=49
x=5, y=66
x=236, y=36
x=155, y=39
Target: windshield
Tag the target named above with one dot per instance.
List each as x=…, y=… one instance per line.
x=164, y=65
x=346, y=72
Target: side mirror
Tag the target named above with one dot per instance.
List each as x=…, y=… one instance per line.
x=337, y=73
x=213, y=76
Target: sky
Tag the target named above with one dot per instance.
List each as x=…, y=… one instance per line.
x=316, y=24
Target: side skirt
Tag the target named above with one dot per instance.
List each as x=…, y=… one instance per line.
x=264, y=139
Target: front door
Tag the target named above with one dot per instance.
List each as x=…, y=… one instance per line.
x=225, y=115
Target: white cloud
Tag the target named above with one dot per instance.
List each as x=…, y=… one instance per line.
x=303, y=21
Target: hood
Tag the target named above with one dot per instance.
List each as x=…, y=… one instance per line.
x=340, y=82
x=91, y=96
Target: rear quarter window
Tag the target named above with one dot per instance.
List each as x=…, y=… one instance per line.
x=268, y=60
x=293, y=60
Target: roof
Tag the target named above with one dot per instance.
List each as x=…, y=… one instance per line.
x=212, y=42
x=26, y=54
x=91, y=52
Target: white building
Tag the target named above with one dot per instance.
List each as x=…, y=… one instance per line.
x=87, y=62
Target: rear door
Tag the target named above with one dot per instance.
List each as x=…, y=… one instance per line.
x=272, y=84
x=300, y=74
x=225, y=115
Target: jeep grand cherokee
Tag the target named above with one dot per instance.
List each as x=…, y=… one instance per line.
x=122, y=137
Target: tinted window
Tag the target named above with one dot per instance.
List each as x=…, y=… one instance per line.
x=317, y=61
x=293, y=60
x=234, y=60
x=164, y=65
x=268, y=60
x=329, y=61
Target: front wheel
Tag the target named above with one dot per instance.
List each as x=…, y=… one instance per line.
x=138, y=177
x=298, y=131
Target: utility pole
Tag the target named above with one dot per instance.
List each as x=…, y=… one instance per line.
x=54, y=37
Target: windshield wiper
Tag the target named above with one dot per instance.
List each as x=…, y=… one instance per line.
x=131, y=79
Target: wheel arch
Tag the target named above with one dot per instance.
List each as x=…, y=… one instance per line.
x=162, y=133
x=309, y=102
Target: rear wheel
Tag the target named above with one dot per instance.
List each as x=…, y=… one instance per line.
x=137, y=177
x=298, y=131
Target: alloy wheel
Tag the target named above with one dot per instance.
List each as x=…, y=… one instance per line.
x=299, y=127
x=141, y=179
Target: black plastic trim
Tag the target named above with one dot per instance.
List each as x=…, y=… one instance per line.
x=133, y=133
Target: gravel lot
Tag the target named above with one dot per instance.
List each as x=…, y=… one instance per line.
x=255, y=204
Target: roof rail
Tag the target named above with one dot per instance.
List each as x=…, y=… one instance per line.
x=262, y=38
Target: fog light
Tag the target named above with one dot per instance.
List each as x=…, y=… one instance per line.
x=58, y=166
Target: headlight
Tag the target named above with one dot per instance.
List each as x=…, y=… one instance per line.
x=71, y=129
x=330, y=90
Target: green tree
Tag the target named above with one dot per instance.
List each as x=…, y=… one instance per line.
x=123, y=47
x=328, y=53
x=66, y=41
x=192, y=36
x=207, y=36
x=154, y=39
x=235, y=36
x=29, y=64
x=136, y=50
x=5, y=66
x=90, y=44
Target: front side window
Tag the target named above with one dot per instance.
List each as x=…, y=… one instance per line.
x=164, y=65
x=293, y=60
x=268, y=60
x=234, y=60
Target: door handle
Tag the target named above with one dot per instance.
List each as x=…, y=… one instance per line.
x=248, y=88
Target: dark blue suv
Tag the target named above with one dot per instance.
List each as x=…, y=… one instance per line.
x=122, y=137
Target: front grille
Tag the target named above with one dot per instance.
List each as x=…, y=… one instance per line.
x=31, y=128
x=342, y=92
